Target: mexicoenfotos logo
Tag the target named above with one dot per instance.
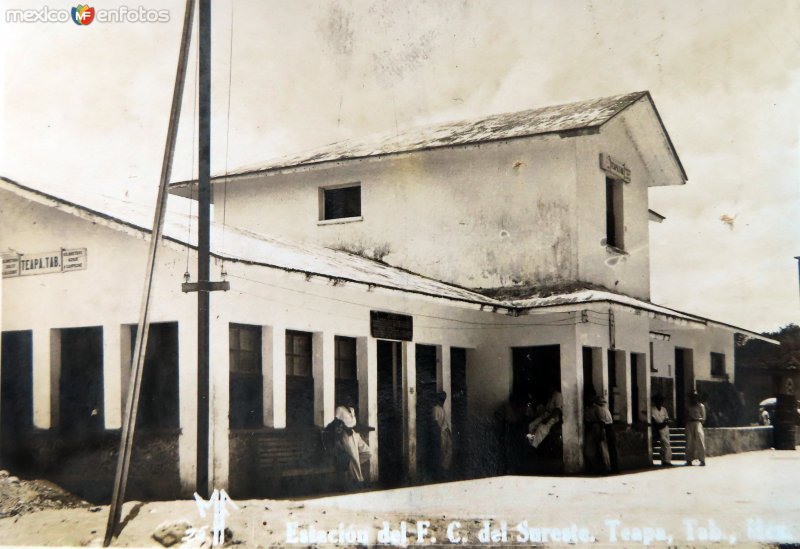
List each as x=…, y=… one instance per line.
x=83, y=14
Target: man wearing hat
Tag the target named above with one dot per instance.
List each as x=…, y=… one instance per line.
x=695, y=438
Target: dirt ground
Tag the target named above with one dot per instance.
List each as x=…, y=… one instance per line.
x=21, y=497
x=743, y=500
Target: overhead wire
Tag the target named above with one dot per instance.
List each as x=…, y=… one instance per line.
x=227, y=141
x=193, y=166
x=570, y=315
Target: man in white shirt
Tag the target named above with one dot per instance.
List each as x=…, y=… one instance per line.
x=660, y=418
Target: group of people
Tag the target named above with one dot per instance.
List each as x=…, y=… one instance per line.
x=695, y=437
x=600, y=441
x=352, y=453
x=600, y=451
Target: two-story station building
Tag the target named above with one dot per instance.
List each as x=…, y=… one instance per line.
x=486, y=258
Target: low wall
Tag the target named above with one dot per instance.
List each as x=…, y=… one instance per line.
x=734, y=440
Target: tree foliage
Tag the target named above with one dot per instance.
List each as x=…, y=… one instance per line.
x=755, y=353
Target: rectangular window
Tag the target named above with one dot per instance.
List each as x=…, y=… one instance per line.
x=299, y=379
x=345, y=357
x=718, y=364
x=614, y=219
x=341, y=202
x=246, y=381
x=298, y=354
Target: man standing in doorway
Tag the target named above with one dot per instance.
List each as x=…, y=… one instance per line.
x=661, y=420
x=442, y=447
x=695, y=437
x=349, y=443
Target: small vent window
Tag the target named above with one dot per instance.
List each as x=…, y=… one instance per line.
x=341, y=202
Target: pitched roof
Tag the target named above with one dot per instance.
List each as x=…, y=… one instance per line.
x=557, y=119
x=239, y=245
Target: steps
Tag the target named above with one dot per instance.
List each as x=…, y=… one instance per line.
x=677, y=441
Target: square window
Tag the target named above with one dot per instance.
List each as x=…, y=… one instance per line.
x=718, y=364
x=341, y=202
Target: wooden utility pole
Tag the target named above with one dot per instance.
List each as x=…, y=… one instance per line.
x=203, y=247
x=204, y=285
x=137, y=365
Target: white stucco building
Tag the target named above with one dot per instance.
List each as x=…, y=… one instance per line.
x=500, y=257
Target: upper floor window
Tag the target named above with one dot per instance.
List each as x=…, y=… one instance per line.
x=614, y=214
x=718, y=364
x=340, y=202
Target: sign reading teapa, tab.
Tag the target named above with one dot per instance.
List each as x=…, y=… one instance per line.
x=394, y=326
x=60, y=261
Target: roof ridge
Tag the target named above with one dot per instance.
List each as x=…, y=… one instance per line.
x=614, y=104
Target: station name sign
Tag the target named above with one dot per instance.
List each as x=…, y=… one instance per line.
x=60, y=261
x=614, y=168
x=393, y=326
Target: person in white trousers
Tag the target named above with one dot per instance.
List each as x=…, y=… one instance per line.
x=660, y=417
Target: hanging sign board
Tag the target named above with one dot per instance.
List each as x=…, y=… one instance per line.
x=614, y=168
x=391, y=326
x=60, y=261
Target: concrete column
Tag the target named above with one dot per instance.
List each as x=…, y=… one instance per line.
x=219, y=389
x=572, y=393
x=443, y=376
x=600, y=371
x=187, y=405
x=367, y=372
x=46, y=375
x=323, y=367
x=112, y=375
x=410, y=407
x=273, y=364
x=642, y=406
x=644, y=377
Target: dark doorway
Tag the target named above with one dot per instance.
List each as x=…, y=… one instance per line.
x=299, y=380
x=537, y=373
x=635, y=418
x=459, y=409
x=537, y=370
x=682, y=367
x=588, y=377
x=346, y=374
x=81, y=384
x=612, y=381
x=17, y=394
x=158, y=398
x=426, y=399
x=390, y=413
x=245, y=379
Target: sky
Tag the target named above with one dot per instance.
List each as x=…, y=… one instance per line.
x=86, y=107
